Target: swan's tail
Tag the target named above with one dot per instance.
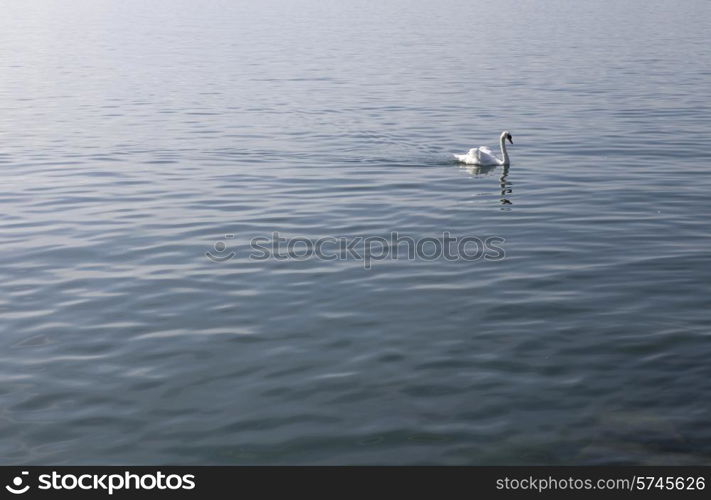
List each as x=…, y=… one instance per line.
x=460, y=157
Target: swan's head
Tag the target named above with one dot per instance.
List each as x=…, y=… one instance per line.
x=506, y=135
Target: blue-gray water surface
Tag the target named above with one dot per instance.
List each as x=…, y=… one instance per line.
x=137, y=137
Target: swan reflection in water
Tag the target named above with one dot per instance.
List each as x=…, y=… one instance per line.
x=504, y=183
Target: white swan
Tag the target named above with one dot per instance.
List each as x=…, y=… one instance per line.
x=485, y=157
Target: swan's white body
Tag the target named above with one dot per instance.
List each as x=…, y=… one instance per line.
x=485, y=157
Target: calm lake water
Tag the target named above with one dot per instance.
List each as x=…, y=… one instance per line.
x=135, y=135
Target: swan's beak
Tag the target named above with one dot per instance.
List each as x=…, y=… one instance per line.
x=510, y=139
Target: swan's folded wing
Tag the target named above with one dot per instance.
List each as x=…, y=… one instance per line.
x=485, y=156
x=468, y=159
x=485, y=150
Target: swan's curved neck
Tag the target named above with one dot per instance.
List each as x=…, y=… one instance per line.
x=504, y=153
